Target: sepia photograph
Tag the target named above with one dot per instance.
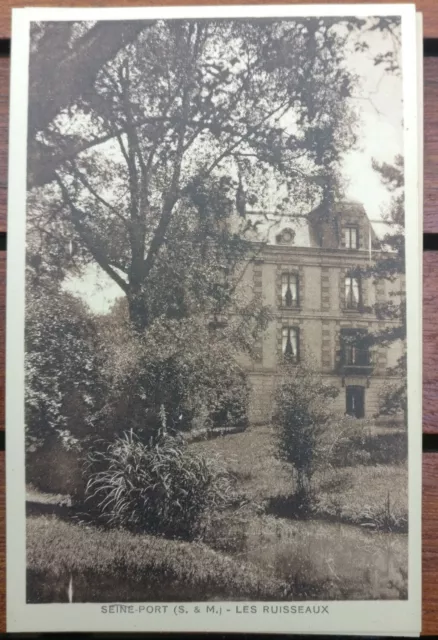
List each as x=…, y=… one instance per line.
x=215, y=311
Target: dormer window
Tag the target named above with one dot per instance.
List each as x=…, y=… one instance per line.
x=289, y=290
x=351, y=237
x=287, y=236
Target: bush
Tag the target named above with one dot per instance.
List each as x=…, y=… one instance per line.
x=350, y=442
x=384, y=518
x=161, y=487
x=343, y=442
x=63, y=368
x=301, y=415
x=388, y=448
x=176, y=364
x=230, y=407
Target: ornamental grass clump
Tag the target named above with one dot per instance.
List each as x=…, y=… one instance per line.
x=160, y=487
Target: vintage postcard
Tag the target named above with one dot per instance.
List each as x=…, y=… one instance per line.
x=213, y=319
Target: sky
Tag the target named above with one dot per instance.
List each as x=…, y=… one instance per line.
x=379, y=107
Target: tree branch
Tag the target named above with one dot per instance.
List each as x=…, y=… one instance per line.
x=53, y=89
x=241, y=139
x=96, y=252
x=98, y=197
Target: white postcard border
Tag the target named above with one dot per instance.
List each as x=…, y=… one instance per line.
x=346, y=617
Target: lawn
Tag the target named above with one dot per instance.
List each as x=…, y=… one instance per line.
x=250, y=457
x=115, y=565
x=372, y=496
x=246, y=553
x=355, y=495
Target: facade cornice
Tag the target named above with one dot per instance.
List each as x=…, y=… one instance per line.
x=336, y=256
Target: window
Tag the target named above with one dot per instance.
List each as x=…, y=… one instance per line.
x=355, y=401
x=290, y=344
x=354, y=348
x=217, y=322
x=352, y=292
x=351, y=238
x=289, y=290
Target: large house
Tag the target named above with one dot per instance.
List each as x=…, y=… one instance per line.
x=307, y=269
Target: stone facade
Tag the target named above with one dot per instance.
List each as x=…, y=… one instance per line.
x=326, y=303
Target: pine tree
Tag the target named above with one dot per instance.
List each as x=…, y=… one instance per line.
x=390, y=267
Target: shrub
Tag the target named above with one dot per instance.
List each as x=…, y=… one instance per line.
x=348, y=442
x=301, y=414
x=388, y=448
x=231, y=399
x=161, y=487
x=343, y=442
x=64, y=385
x=374, y=517
x=179, y=364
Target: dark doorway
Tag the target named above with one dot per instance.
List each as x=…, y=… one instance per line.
x=355, y=399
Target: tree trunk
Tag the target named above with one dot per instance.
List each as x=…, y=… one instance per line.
x=138, y=311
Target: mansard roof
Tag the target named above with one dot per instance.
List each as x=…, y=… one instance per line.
x=319, y=228
x=280, y=229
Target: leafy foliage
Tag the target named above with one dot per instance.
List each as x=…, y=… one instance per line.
x=180, y=135
x=64, y=389
x=384, y=518
x=60, y=79
x=188, y=365
x=159, y=156
x=161, y=487
x=301, y=414
x=390, y=267
x=343, y=442
x=348, y=442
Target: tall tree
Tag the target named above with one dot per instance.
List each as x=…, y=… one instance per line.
x=390, y=267
x=61, y=73
x=181, y=128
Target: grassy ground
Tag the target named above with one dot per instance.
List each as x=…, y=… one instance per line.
x=279, y=560
x=58, y=550
x=356, y=495
x=246, y=553
x=250, y=457
x=372, y=496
